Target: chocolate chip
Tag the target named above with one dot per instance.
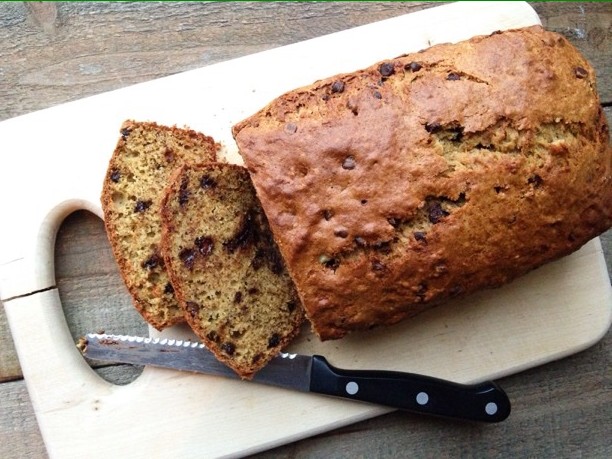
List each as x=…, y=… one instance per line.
x=350, y=104
x=394, y=221
x=253, y=291
x=436, y=212
x=453, y=76
x=237, y=297
x=153, y=262
x=115, y=175
x=258, y=260
x=337, y=86
x=456, y=133
x=229, y=348
x=386, y=69
x=274, y=340
x=349, y=163
x=420, y=236
x=484, y=147
x=580, y=72
x=184, y=193
x=413, y=66
x=378, y=266
x=331, y=263
x=205, y=245
x=361, y=242
x=291, y=305
x=290, y=128
x=383, y=247
x=364, y=202
x=141, y=206
x=327, y=214
x=341, y=233
x=168, y=289
x=169, y=155
x=207, y=182
x=193, y=309
x=275, y=261
x=535, y=180
x=245, y=235
x=125, y=132
x=187, y=256
x=433, y=127
x=440, y=268
x=421, y=289
x=377, y=95
x=236, y=333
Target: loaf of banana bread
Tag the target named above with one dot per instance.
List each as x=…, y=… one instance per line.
x=431, y=175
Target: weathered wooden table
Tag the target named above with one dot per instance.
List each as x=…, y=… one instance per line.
x=52, y=53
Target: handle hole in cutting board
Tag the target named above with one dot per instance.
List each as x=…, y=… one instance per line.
x=91, y=290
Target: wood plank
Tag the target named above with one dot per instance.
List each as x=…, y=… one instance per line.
x=101, y=46
x=586, y=26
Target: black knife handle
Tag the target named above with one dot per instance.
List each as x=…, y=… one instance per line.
x=484, y=402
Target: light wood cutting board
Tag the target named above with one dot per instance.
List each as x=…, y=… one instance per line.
x=63, y=152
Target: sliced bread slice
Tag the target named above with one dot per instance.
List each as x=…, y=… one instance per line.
x=225, y=268
x=139, y=170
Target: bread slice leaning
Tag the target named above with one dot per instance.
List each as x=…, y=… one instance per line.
x=225, y=268
x=139, y=170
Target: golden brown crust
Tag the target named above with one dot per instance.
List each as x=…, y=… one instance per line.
x=431, y=175
x=138, y=171
x=225, y=267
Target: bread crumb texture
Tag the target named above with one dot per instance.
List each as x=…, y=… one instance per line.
x=139, y=170
x=225, y=267
x=431, y=175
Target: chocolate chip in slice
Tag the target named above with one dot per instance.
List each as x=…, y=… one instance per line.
x=229, y=348
x=115, y=175
x=193, y=308
x=207, y=182
x=153, y=262
x=205, y=245
x=274, y=340
x=187, y=256
x=142, y=206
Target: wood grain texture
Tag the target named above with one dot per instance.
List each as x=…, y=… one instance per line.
x=50, y=54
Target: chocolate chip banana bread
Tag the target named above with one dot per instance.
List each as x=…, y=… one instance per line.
x=225, y=267
x=145, y=156
x=431, y=175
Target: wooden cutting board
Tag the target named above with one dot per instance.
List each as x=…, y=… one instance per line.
x=54, y=161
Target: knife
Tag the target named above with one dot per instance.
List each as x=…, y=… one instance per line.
x=484, y=402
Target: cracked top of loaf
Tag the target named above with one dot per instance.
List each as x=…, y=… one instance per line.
x=431, y=175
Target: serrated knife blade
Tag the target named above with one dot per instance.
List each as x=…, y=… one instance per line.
x=484, y=402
